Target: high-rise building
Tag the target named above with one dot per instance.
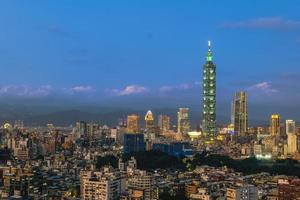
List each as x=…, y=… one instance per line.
x=82, y=129
x=183, y=125
x=149, y=120
x=133, y=123
x=91, y=129
x=209, y=96
x=292, y=141
x=275, y=125
x=164, y=122
x=134, y=142
x=240, y=114
x=290, y=126
x=292, y=144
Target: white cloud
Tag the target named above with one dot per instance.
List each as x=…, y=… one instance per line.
x=264, y=87
x=79, y=89
x=83, y=89
x=129, y=90
x=25, y=91
x=183, y=86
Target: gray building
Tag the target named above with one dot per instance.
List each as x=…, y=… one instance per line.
x=239, y=113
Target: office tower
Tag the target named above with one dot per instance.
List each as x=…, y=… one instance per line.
x=290, y=126
x=183, y=125
x=82, y=128
x=149, y=120
x=134, y=142
x=164, y=122
x=106, y=184
x=248, y=192
x=240, y=114
x=209, y=96
x=91, y=129
x=275, y=125
x=122, y=122
x=292, y=141
x=133, y=123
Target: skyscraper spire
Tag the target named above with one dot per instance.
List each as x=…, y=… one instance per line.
x=209, y=56
x=209, y=96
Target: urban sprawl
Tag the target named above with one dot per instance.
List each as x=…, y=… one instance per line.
x=148, y=157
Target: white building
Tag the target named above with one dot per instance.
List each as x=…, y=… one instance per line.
x=106, y=184
x=141, y=182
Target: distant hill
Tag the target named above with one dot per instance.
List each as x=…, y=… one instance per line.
x=66, y=116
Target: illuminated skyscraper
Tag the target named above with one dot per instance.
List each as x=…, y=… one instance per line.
x=149, y=120
x=240, y=114
x=290, y=126
x=292, y=137
x=275, y=125
x=133, y=123
x=292, y=143
x=209, y=95
x=164, y=122
x=183, y=125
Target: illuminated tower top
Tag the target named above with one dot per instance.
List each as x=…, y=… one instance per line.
x=149, y=116
x=209, y=56
x=149, y=120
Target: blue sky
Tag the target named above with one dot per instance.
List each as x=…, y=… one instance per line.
x=109, y=50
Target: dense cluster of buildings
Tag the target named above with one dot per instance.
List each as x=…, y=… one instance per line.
x=65, y=162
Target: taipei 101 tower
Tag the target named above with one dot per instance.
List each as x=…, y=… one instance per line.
x=209, y=96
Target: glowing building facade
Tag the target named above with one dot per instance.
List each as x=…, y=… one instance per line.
x=149, y=120
x=240, y=114
x=164, y=122
x=275, y=125
x=292, y=137
x=209, y=96
x=290, y=126
x=183, y=125
x=133, y=123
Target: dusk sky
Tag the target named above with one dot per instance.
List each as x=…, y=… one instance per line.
x=102, y=51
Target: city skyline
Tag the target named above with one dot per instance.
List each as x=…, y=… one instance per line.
x=150, y=100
